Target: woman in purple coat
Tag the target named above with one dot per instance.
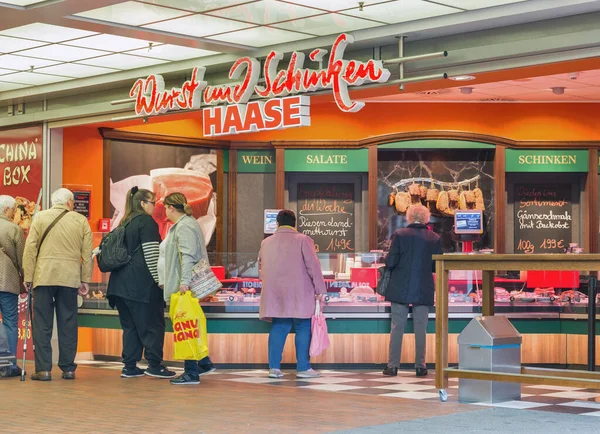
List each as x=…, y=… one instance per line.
x=291, y=280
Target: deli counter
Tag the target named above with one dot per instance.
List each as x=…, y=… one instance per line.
x=552, y=318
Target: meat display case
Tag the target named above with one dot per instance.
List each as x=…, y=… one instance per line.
x=351, y=281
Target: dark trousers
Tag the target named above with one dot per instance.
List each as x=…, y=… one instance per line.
x=192, y=367
x=399, y=319
x=143, y=327
x=46, y=299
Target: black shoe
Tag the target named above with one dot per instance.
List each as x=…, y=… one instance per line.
x=132, y=372
x=205, y=369
x=42, y=376
x=159, y=372
x=422, y=372
x=390, y=372
x=70, y=375
x=186, y=379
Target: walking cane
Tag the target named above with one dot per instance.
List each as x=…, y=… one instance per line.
x=28, y=307
x=28, y=316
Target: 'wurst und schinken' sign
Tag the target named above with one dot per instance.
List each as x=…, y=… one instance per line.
x=543, y=218
x=326, y=214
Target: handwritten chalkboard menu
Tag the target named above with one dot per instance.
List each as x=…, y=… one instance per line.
x=543, y=218
x=326, y=214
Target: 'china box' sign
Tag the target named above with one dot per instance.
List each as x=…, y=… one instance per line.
x=277, y=102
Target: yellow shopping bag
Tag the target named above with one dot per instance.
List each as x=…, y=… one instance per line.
x=189, y=327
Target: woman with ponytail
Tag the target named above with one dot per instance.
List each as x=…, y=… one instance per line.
x=183, y=248
x=133, y=289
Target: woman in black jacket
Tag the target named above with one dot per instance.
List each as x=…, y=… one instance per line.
x=134, y=290
x=411, y=283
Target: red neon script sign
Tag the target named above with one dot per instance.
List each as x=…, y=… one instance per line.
x=152, y=98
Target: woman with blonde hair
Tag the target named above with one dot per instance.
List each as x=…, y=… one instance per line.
x=411, y=283
x=183, y=248
x=134, y=289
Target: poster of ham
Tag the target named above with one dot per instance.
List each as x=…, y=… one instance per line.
x=166, y=169
x=21, y=170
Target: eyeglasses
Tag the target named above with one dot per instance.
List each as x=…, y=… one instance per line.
x=148, y=201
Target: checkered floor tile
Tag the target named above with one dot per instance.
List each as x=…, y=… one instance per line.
x=571, y=400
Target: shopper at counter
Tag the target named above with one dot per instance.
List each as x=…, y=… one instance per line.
x=134, y=290
x=57, y=262
x=411, y=283
x=291, y=278
x=12, y=243
x=183, y=248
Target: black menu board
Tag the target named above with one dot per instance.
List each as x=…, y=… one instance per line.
x=543, y=218
x=326, y=214
x=82, y=202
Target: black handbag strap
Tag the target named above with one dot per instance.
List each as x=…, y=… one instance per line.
x=49, y=228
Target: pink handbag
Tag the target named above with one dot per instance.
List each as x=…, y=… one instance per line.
x=320, y=338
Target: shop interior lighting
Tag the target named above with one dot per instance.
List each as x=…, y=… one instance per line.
x=260, y=36
x=466, y=90
x=558, y=90
x=462, y=78
x=265, y=12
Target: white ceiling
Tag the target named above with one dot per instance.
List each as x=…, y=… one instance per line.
x=582, y=86
x=41, y=52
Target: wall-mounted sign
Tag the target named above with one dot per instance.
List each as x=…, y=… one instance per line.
x=258, y=161
x=83, y=199
x=327, y=160
x=559, y=160
x=271, y=220
x=281, y=107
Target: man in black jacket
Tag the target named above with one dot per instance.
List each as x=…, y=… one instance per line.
x=411, y=283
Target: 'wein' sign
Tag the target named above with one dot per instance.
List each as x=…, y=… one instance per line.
x=281, y=102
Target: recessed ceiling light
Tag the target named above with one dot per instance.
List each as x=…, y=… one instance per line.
x=466, y=90
x=462, y=78
x=558, y=90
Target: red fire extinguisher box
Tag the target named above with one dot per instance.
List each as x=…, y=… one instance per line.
x=104, y=225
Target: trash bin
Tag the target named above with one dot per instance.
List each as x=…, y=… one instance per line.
x=489, y=344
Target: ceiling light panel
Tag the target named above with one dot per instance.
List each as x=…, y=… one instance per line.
x=75, y=70
x=46, y=32
x=332, y=5
x=9, y=45
x=21, y=2
x=33, y=78
x=327, y=24
x=4, y=86
x=401, y=11
x=199, y=25
x=172, y=52
x=132, y=13
x=62, y=53
x=198, y=5
x=21, y=63
x=261, y=37
x=122, y=61
x=266, y=12
x=477, y=4
x=112, y=43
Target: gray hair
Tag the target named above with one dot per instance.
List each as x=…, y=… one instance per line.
x=6, y=202
x=418, y=214
x=61, y=197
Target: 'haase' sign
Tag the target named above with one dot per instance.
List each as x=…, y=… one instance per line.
x=279, y=104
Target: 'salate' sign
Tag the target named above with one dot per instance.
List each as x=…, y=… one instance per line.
x=279, y=100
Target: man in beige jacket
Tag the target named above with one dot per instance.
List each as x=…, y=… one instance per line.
x=55, y=268
x=12, y=241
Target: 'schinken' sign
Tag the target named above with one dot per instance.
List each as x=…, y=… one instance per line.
x=280, y=104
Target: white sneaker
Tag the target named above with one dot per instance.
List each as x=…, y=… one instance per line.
x=311, y=373
x=275, y=373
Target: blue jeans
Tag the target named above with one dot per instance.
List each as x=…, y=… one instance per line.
x=191, y=366
x=280, y=328
x=10, y=318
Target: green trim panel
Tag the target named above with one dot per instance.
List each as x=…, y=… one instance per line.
x=437, y=144
x=327, y=160
x=355, y=326
x=226, y=161
x=550, y=161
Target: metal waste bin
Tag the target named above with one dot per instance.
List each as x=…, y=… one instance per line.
x=489, y=344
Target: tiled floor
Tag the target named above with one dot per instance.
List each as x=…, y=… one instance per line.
x=406, y=385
